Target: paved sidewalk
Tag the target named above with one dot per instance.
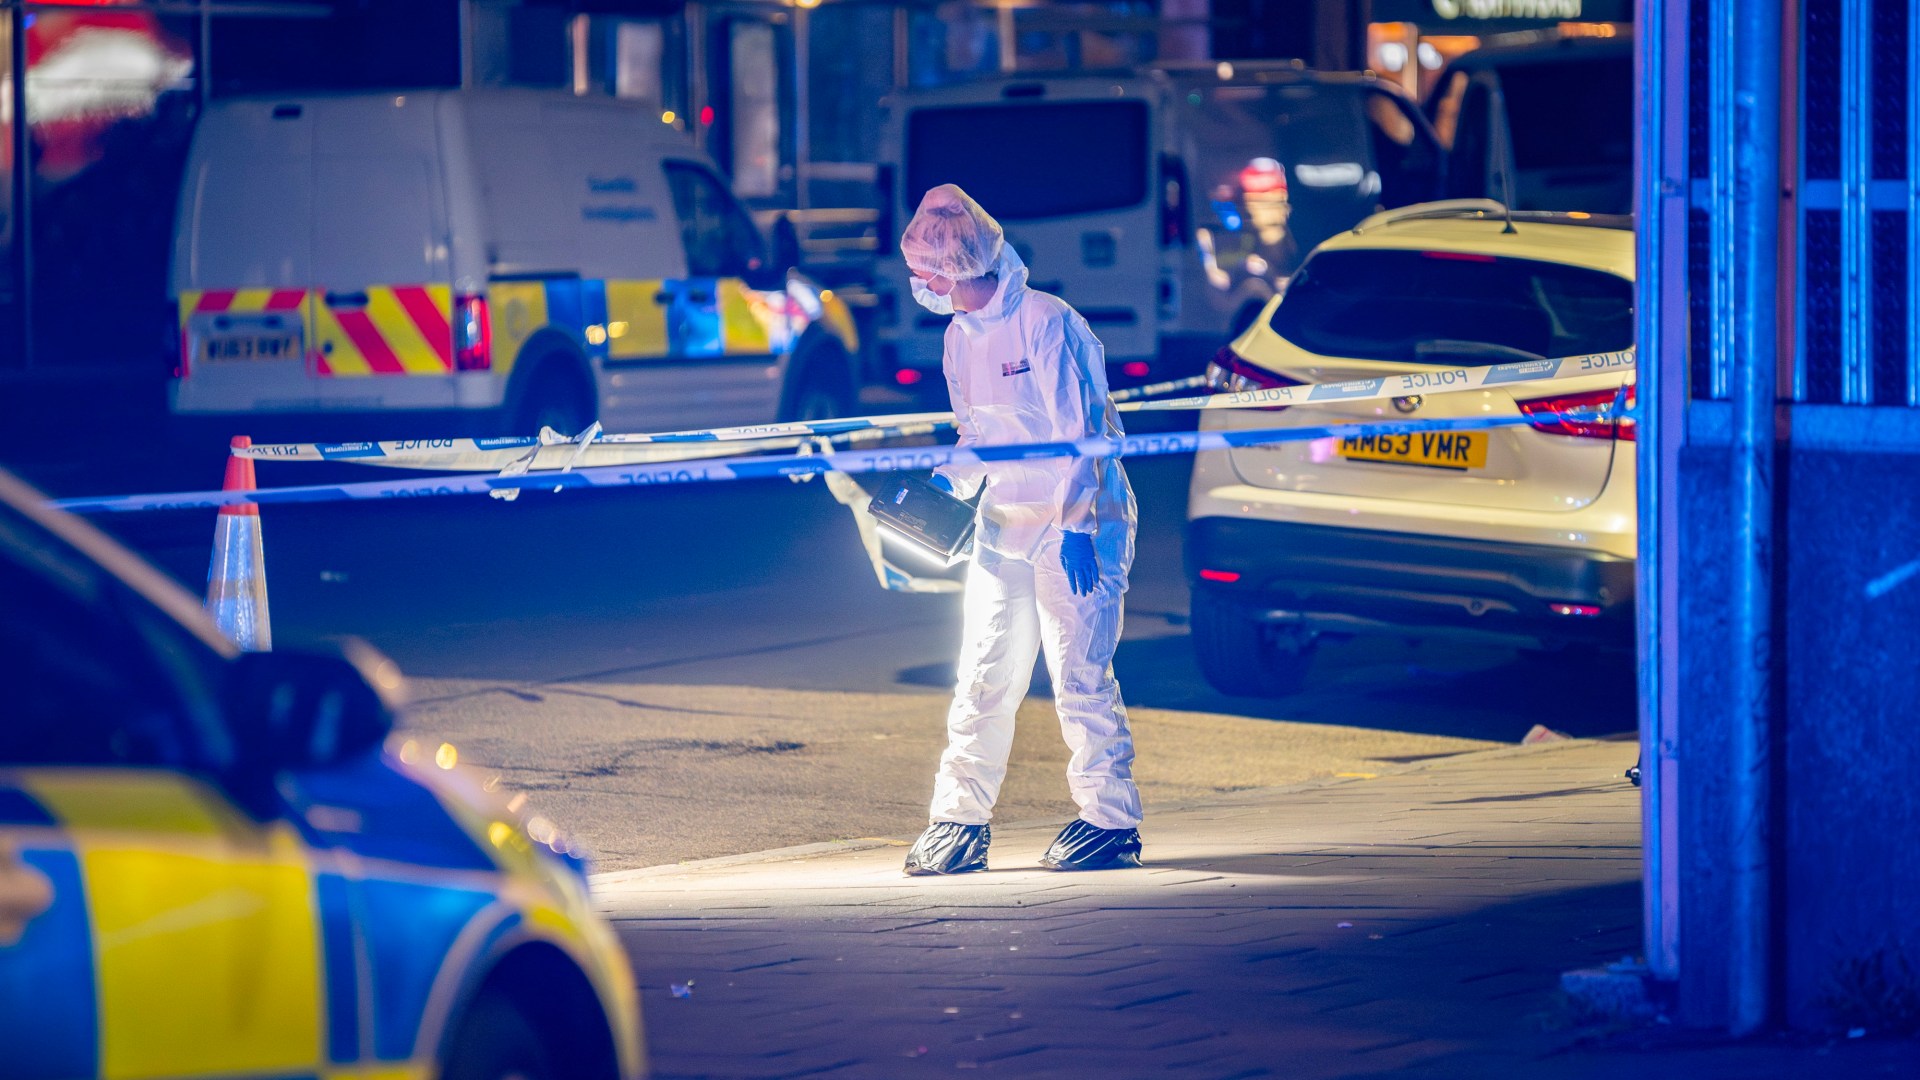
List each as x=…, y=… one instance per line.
x=1413, y=923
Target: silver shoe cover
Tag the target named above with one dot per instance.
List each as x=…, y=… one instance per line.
x=949, y=848
x=1084, y=846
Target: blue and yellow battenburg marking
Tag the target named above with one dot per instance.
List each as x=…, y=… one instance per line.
x=326, y=941
x=407, y=329
x=655, y=321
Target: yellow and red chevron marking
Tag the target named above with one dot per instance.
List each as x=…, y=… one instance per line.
x=215, y=301
x=238, y=301
x=402, y=330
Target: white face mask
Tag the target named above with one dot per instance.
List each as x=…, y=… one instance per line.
x=937, y=303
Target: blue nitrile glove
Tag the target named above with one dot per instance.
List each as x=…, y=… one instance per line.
x=942, y=483
x=1077, y=558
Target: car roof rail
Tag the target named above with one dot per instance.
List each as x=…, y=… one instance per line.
x=1491, y=209
x=1441, y=208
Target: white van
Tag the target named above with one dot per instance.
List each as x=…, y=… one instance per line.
x=485, y=262
x=1166, y=205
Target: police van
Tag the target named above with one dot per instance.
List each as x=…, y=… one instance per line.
x=1167, y=205
x=485, y=262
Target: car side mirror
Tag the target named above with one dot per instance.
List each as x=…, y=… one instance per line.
x=303, y=709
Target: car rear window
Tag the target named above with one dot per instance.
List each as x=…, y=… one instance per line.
x=1047, y=159
x=1431, y=306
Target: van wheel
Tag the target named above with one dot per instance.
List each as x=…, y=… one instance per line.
x=1237, y=653
x=825, y=389
x=495, y=1041
x=557, y=399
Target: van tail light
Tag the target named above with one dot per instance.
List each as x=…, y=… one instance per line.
x=1583, y=428
x=472, y=334
x=1232, y=373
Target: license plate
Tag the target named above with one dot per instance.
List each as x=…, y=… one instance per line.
x=228, y=347
x=1434, y=449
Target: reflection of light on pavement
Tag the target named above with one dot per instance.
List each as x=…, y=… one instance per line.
x=818, y=869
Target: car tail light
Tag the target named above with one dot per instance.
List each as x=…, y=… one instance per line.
x=472, y=334
x=1582, y=428
x=1234, y=373
x=1585, y=611
x=1224, y=576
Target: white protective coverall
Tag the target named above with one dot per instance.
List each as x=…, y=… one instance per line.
x=1025, y=368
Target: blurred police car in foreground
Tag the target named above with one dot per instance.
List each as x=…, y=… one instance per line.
x=215, y=863
x=1521, y=536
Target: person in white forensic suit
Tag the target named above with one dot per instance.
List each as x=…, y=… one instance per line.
x=1052, y=546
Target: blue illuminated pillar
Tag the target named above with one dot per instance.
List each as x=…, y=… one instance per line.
x=1745, y=167
x=1660, y=110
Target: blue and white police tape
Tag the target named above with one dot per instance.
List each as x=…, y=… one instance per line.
x=491, y=455
x=551, y=450
x=890, y=459
x=1440, y=381
x=1134, y=393
x=554, y=451
x=495, y=453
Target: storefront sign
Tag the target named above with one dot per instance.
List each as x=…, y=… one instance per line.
x=1508, y=9
x=1467, y=14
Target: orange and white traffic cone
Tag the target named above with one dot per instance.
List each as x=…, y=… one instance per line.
x=237, y=577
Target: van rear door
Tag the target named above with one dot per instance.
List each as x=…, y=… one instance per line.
x=1068, y=174
x=243, y=259
x=382, y=303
